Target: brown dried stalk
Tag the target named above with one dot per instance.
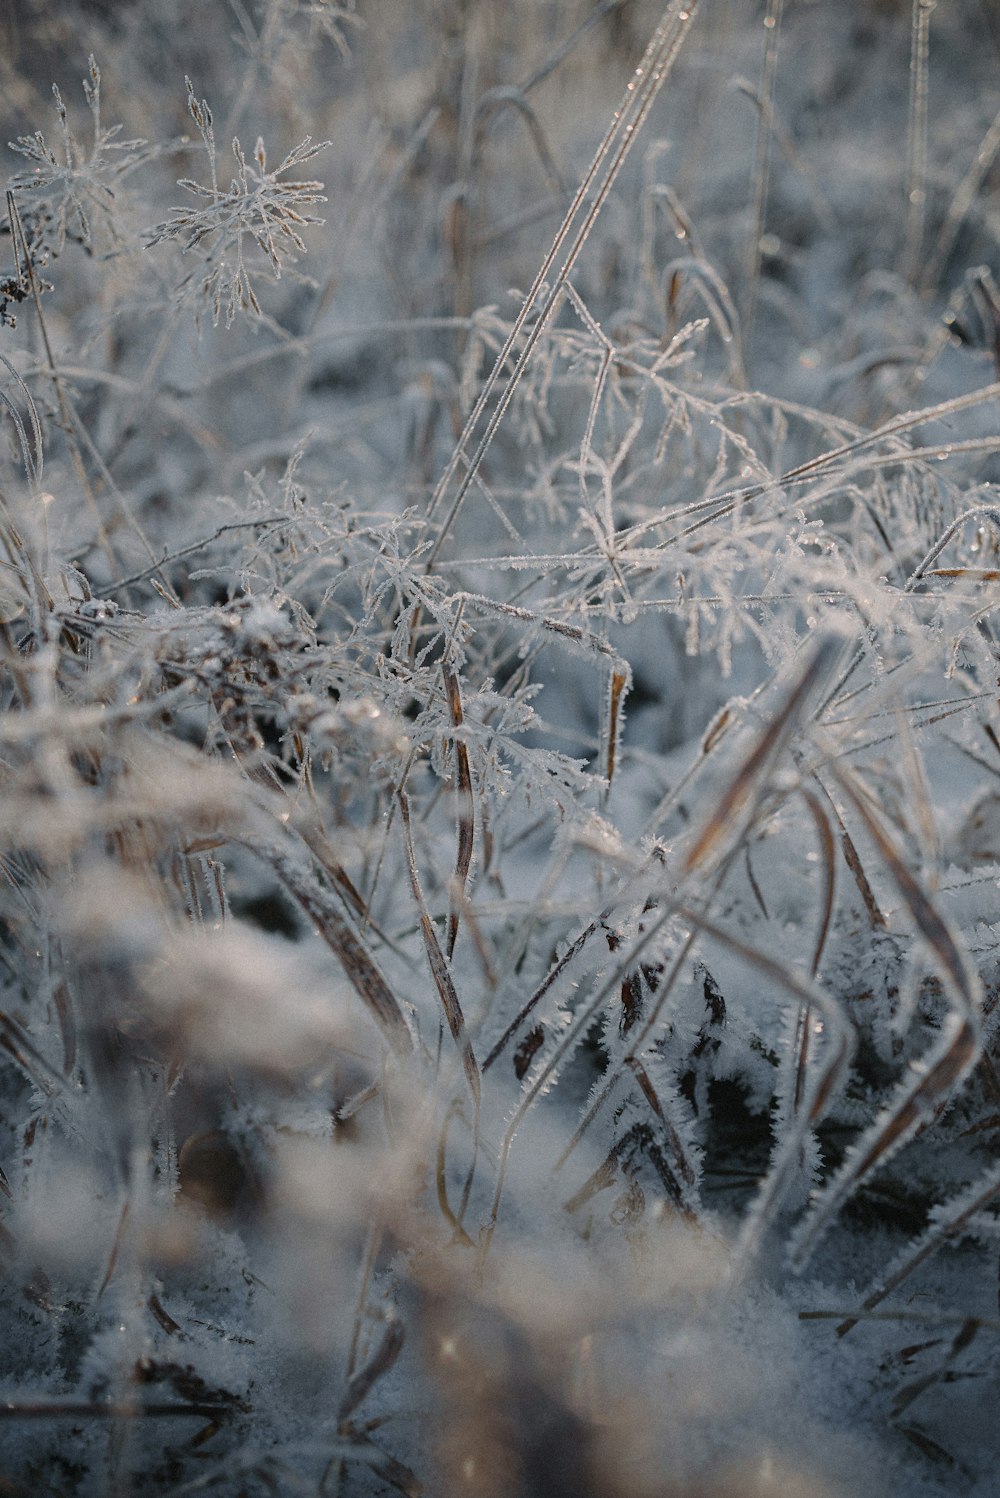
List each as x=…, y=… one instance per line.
x=340, y=936
x=466, y=812
x=742, y=795
x=440, y=970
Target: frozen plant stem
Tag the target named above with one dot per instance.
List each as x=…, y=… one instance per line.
x=543, y=299
x=762, y=163
x=916, y=168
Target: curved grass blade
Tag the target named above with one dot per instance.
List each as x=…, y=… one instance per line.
x=337, y=931
x=744, y=790
x=440, y=971
x=945, y=944
x=466, y=811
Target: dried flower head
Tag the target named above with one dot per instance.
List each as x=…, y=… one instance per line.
x=258, y=207
x=74, y=189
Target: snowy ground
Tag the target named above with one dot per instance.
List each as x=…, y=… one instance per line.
x=499, y=745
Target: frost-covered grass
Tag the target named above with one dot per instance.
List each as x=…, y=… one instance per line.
x=499, y=750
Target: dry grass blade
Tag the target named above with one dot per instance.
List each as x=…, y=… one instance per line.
x=839, y=1039
x=686, y=1171
x=438, y=963
x=664, y=990
x=803, y=1029
x=584, y=638
x=735, y=805
x=466, y=811
x=619, y=683
x=441, y=1177
x=333, y=1475
x=853, y=860
x=945, y=944
x=28, y=578
x=361, y=1382
x=319, y=845
x=340, y=936
x=827, y=853
x=554, y=972
x=896, y=427
x=630, y=1059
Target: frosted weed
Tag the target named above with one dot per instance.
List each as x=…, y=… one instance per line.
x=258, y=206
x=73, y=190
x=499, y=836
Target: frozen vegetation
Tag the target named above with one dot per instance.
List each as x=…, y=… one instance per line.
x=500, y=762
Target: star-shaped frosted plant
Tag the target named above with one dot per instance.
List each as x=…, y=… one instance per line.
x=74, y=189
x=260, y=209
